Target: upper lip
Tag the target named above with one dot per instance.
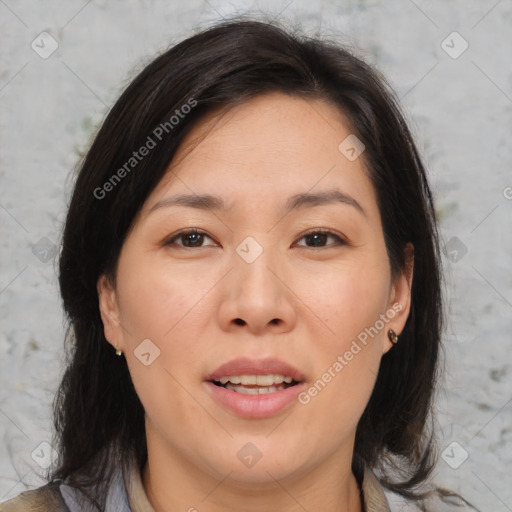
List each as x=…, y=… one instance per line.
x=246, y=366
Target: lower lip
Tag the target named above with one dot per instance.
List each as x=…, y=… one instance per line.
x=255, y=406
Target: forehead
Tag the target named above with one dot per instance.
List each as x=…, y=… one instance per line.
x=271, y=146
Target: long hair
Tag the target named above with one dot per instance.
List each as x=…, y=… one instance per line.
x=98, y=415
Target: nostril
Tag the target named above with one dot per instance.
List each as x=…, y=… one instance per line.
x=239, y=321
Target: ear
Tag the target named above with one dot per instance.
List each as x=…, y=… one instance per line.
x=109, y=311
x=400, y=298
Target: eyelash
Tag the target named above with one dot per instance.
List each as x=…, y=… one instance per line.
x=192, y=231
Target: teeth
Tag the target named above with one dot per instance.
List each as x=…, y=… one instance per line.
x=256, y=380
x=254, y=391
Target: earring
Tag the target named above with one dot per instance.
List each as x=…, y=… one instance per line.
x=119, y=352
x=393, y=337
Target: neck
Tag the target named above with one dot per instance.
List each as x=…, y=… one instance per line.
x=172, y=483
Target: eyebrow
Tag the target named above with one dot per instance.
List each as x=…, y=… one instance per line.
x=295, y=202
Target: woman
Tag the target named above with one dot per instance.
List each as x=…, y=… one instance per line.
x=250, y=268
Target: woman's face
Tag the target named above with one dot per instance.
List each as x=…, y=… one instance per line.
x=289, y=279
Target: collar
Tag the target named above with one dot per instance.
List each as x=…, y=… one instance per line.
x=374, y=499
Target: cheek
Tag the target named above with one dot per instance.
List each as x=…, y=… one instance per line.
x=158, y=300
x=347, y=298
x=350, y=302
x=166, y=306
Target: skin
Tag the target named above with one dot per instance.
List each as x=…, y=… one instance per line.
x=186, y=301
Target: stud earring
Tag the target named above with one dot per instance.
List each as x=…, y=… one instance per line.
x=119, y=352
x=393, y=337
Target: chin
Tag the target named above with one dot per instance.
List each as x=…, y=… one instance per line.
x=259, y=477
x=249, y=467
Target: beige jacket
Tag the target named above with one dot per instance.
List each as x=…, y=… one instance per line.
x=127, y=495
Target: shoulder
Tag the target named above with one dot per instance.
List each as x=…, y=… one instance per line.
x=436, y=502
x=379, y=498
x=43, y=499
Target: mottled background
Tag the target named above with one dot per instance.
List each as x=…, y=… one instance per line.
x=456, y=90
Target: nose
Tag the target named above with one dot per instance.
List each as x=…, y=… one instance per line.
x=257, y=297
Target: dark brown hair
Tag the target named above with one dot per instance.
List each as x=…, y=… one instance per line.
x=98, y=415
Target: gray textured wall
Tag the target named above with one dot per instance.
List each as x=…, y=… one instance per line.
x=459, y=103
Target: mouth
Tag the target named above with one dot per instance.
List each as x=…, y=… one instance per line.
x=255, y=388
x=256, y=384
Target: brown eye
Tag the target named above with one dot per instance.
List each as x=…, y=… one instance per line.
x=189, y=239
x=319, y=239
